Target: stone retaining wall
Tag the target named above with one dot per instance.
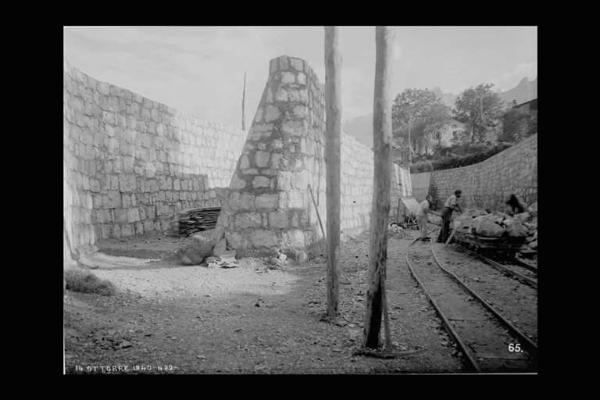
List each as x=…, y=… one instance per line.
x=489, y=183
x=130, y=163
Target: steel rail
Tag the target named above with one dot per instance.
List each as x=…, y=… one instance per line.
x=525, y=264
x=468, y=353
x=503, y=269
x=497, y=314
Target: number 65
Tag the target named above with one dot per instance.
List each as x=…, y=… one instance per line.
x=514, y=348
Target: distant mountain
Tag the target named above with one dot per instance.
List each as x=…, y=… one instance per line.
x=526, y=90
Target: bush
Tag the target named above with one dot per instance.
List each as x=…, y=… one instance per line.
x=456, y=161
x=82, y=281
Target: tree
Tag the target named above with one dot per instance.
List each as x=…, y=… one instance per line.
x=421, y=112
x=518, y=124
x=382, y=141
x=480, y=108
x=333, y=130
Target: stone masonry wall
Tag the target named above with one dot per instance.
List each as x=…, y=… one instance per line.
x=130, y=163
x=269, y=203
x=489, y=183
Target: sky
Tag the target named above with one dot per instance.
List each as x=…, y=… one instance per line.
x=200, y=70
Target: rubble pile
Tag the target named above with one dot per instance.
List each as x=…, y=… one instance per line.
x=500, y=225
x=224, y=260
x=396, y=230
x=195, y=252
x=196, y=220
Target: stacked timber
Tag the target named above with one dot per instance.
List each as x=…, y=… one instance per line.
x=196, y=220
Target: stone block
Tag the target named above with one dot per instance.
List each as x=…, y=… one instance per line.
x=247, y=201
x=114, y=199
x=300, y=111
x=127, y=230
x=295, y=199
x=278, y=219
x=284, y=180
x=281, y=95
x=247, y=220
x=272, y=113
x=234, y=200
x=268, y=172
x=261, y=181
x=296, y=238
x=266, y=201
x=116, y=231
x=236, y=240
x=277, y=144
x=300, y=180
x=262, y=158
x=133, y=215
x=292, y=128
x=288, y=77
x=104, y=88
x=263, y=238
x=237, y=183
x=139, y=228
x=298, y=95
x=297, y=64
x=121, y=216
x=284, y=63
x=275, y=160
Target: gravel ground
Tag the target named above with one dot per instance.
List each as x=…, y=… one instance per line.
x=251, y=319
x=515, y=301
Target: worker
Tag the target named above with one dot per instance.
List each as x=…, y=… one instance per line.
x=516, y=206
x=422, y=216
x=450, y=205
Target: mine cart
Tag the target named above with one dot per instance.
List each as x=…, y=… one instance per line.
x=500, y=247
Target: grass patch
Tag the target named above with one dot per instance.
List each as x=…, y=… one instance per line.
x=85, y=282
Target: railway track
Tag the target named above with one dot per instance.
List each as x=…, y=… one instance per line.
x=519, y=270
x=489, y=342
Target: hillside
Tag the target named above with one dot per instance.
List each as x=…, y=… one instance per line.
x=362, y=127
x=526, y=90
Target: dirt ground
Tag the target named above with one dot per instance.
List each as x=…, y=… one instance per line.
x=174, y=319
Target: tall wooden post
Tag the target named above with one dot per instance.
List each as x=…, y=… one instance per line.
x=382, y=140
x=333, y=107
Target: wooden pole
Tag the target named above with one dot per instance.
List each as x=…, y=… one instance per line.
x=244, y=105
x=333, y=130
x=382, y=139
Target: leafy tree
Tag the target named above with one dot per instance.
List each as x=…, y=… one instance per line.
x=421, y=111
x=480, y=108
x=515, y=125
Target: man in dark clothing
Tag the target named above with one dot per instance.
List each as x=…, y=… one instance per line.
x=516, y=207
x=450, y=205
